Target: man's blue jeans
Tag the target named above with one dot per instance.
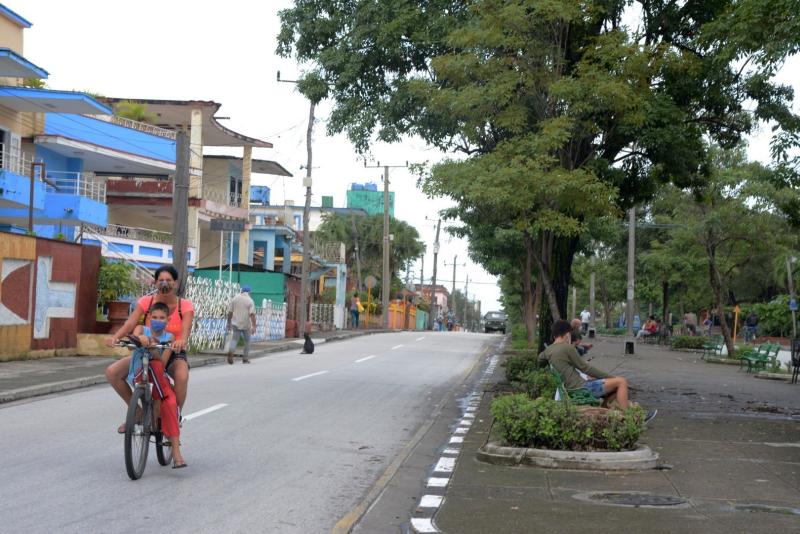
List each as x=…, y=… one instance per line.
x=235, y=335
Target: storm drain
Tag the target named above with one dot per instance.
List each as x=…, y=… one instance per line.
x=633, y=499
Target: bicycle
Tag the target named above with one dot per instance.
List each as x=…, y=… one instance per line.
x=141, y=421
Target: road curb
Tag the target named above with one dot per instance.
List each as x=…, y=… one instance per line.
x=640, y=459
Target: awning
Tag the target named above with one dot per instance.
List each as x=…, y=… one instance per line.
x=13, y=65
x=177, y=114
x=259, y=166
x=104, y=160
x=45, y=100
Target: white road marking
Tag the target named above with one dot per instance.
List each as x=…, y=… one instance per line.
x=457, y=439
x=430, y=501
x=461, y=430
x=203, y=412
x=423, y=524
x=365, y=359
x=445, y=465
x=469, y=416
x=450, y=451
x=471, y=409
x=787, y=444
x=308, y=376
x=438, y=482
x=396, y=347
x=465, y=422
x=420, y=338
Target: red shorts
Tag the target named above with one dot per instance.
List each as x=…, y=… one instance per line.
x=162, y=389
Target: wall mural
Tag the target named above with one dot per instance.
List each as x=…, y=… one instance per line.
x=53, y=299
x=15, y=286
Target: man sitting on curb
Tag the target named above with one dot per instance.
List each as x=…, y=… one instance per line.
x=564, y=358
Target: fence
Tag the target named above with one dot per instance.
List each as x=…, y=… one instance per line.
x=270, y=321
x=322, y=316
x=210, y=299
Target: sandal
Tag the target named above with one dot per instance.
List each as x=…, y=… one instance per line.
x=176, y=465
x=121, y=429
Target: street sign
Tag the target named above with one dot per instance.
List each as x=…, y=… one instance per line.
x=227, y=225
x=370, y=281
x=793, y=304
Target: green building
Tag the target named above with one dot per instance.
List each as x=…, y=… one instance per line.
x=368, y=198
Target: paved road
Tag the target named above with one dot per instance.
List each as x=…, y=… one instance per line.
x=295, y=443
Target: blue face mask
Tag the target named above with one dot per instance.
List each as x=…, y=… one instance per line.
x=157, y=326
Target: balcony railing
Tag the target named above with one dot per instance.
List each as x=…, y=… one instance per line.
x=15, y=161
x=132, y=232
x=223, y=197
x=136, y=125
x=83, y=184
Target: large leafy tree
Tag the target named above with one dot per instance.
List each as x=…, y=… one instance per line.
x=367, y=231
x=558, y=108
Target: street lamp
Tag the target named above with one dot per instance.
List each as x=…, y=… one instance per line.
x=792, y=301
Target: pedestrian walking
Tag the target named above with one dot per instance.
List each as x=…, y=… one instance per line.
x=586, y=315
x=241, y=323
x=751, y=327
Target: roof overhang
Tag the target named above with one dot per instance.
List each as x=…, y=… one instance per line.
x=258, y=166
x=104, y=160
x=14, y=17
x=177, y=114
x=45, y=100
x=13, y=65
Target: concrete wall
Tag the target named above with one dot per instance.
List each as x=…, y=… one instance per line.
x=11, y=36
x=48, y=292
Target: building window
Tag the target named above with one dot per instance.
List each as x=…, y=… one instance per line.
x=298, y=222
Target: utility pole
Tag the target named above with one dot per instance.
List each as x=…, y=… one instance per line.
x=422, y=274
x=304, y=274
x=466, y=292
x=434, y=305
x=454, y=283
x=629, y=343
x=180, y=208
x=304, y=282
x=386, y=276
x=358, y=258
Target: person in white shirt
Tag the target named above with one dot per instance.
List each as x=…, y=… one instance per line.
x=585, y=316
x=241, y=322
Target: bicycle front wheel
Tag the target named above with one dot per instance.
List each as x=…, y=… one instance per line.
x=137, y=433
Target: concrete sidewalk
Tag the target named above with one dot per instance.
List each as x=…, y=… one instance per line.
x=730, y=445
x=31, y=378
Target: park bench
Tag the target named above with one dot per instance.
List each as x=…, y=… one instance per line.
x=581, y=397
x=713, y=347
x=764, y=354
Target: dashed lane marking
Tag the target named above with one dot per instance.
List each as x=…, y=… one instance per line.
x=203, y=412
x=438, y=482
x=423, y=524
x=365, y=359
x=420, y=338
x=430, y=501
x=445, y=465
x=308, y=376
x=396, y=347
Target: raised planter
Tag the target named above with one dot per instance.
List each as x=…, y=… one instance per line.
x=725, y=361
x=773, y=376
x=640, y=459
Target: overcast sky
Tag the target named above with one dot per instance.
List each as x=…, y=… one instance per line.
x=225, y=52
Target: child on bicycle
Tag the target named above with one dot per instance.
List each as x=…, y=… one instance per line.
x=162, y=389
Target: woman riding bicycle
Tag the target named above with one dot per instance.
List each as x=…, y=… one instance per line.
x=179, y=324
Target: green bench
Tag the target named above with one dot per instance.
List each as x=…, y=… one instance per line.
x=760, y=357
x=581, y=396
x=713, y=347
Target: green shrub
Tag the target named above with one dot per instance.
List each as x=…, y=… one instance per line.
x=519, y=336
x=774, y=317
x=688, y=342
x=610, y=331
x=536, y=383
x=517, y=366
x=549, y=424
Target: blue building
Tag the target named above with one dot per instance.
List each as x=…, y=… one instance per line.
x=62, y=145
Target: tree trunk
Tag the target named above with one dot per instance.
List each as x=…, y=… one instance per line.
x=542, y=261
x=556, y=267
x=716, y=285
x=537, y=303
x=665, y=303
x=527, y=292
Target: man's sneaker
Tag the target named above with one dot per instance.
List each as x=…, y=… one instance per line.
x=650, y=416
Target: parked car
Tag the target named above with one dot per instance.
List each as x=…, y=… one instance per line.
x=495, y=321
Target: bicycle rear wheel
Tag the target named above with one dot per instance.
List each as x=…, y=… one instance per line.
x=163, y=447
x=138, y=426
